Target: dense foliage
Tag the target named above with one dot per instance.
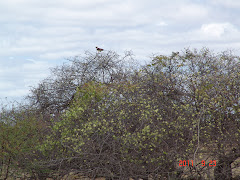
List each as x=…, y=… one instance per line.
x=104, y=116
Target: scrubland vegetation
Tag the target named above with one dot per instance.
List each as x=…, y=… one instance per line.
x=103, y=115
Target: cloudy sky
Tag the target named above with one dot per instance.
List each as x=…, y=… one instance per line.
x=38, y=34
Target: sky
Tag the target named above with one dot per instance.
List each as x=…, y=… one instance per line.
x=36, y=35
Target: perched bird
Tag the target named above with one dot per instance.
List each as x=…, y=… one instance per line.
x=99, y=49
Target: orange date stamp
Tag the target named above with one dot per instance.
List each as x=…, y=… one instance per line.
x=204, y=163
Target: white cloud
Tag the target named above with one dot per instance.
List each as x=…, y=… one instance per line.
x=189, y=12
x=14, y=92
x=6, y=85
x=219, y=30
x=17, y=75
x=227, y=3
x=58, y=55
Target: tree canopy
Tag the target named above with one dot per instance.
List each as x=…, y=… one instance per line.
x=102, y=115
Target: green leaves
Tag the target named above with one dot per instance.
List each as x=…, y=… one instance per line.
x=153, y=117
x=19, y=140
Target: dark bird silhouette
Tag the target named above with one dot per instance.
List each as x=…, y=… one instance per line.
x=99, y=49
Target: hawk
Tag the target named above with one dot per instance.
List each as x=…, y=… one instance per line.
x=99, y=49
